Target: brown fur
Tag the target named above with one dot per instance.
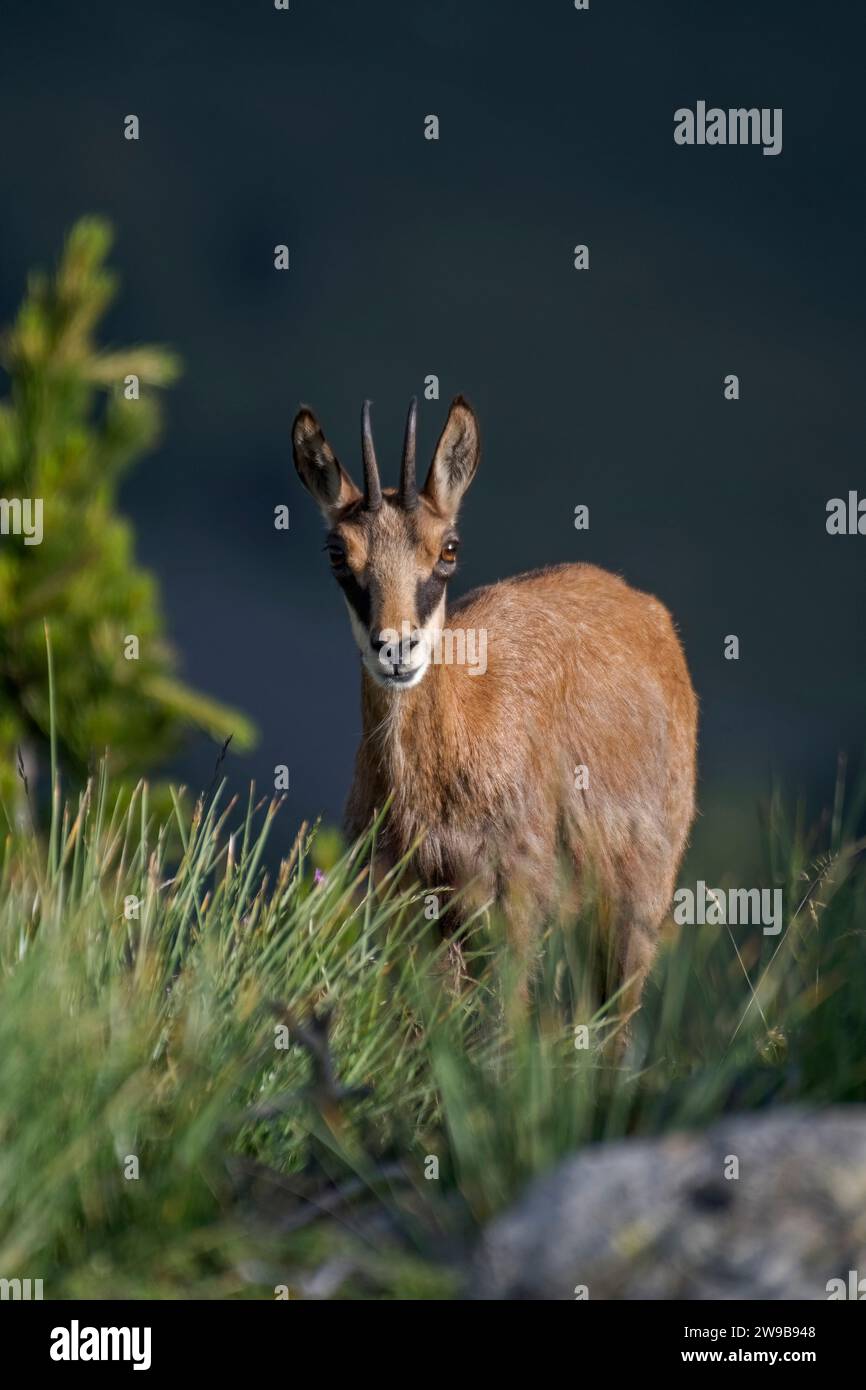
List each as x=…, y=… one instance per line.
x=581, y=670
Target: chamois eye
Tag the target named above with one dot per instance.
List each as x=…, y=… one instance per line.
x=336, y=555
x=449, y=553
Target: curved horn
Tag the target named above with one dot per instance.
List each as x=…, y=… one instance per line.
x=408, y=487
x=372, y=486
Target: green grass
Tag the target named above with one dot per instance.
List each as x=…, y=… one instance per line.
x=150, y=973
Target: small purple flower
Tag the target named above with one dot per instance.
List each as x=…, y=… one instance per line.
x=318, y=878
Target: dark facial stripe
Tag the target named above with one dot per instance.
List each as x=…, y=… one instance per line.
x=357, y=596
x=428, y=594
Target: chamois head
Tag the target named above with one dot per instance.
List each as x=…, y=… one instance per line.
x=392, y=550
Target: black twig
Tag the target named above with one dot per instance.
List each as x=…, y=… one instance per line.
x=217, y=765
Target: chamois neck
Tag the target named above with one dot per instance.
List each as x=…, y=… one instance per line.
x=413, y=743
x=402, y=727
x=382, y=708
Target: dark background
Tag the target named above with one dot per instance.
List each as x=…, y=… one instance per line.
x=410, y=257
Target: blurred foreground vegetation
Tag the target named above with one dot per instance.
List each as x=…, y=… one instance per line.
x=218, y=1084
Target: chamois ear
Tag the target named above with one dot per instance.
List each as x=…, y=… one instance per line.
x=318, y=469
x=456, y=459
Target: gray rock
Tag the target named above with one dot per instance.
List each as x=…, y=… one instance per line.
x=658, y=1219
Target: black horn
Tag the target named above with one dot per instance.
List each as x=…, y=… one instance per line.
x=372, y=486
x=408, y=486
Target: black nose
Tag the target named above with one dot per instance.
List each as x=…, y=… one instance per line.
x=378, y=643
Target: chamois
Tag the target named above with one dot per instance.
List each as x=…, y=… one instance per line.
x=576, y=741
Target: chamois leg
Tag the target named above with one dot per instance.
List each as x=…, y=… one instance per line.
x=645, y=887
x=622, y=954
x=637, y=951
x=446, y=931
x=526, y=907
